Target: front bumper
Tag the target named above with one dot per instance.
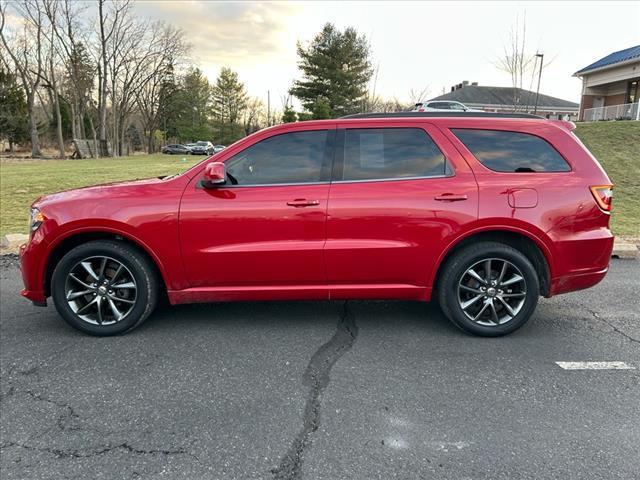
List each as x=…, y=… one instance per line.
x=32, y=257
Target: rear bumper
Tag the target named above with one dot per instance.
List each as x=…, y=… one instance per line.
x=579, y=281
x=583, y=261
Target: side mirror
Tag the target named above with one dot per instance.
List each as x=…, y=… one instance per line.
x=214, y=174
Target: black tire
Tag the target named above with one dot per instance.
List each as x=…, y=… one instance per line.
x=454, y=271
x=137, y=265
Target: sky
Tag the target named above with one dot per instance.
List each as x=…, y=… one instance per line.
x=414, y=45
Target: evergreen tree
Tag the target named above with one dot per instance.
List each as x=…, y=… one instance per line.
x=321, y=109
x=13, y=110
x=289, y=115
x=229, y=102
x=335, y=68
x=192, y=106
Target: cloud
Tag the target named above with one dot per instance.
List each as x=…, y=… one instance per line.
x=227, y=33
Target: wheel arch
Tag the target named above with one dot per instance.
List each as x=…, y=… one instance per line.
x=66, y=243
x=532, y=247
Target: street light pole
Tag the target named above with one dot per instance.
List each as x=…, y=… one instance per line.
x=541, y=55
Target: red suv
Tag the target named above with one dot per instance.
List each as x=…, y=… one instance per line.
x=483, y=212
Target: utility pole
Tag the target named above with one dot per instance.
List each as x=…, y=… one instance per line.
x=268, y=108
x=541, y=55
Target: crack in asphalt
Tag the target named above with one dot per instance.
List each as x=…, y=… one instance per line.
x=613, y=327
x=64, y=417
x=62, y=423
x=316, y=377
x=94, y=453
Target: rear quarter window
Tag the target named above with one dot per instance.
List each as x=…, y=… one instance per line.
x=504, y=151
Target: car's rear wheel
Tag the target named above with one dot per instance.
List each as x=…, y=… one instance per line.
x=488, y=289
x=104, y=287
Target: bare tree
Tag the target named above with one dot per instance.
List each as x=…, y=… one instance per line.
x=25, y=50
x=50, y=8
x=254, y=115
x=516, y=61
x=79, y=66
x=286, y=100
x=151, y=90
x=417, y=96
x=110, y=20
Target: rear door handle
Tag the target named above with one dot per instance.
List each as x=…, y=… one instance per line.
x=450, y=197
x=303, y=202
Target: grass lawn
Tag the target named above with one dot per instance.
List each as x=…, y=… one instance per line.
x=615, y=144
x=22, y=181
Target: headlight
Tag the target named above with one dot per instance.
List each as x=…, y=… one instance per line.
x=35, y=220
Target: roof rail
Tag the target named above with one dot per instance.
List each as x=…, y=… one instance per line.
x=442, y=114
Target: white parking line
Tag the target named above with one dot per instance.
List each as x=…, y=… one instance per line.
x=595, y=366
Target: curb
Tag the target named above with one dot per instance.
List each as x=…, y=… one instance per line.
x=624, y=250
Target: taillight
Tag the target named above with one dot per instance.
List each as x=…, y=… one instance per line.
x=603, y=194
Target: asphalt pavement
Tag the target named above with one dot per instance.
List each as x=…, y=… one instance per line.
x=323, y=390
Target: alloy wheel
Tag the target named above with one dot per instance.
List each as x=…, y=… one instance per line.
x=492, y=292
x=101, y=290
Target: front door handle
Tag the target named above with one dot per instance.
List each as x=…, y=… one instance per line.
x=303, y=202
x=450, y=197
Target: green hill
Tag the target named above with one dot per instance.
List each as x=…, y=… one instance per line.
x=617, y=146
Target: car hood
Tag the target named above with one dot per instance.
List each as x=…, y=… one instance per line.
x=94, y=192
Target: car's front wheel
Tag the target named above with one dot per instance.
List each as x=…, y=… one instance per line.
x=488, y=289
x=104, y=287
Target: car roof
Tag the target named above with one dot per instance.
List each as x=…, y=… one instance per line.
x=441, y=114
x=409, y=118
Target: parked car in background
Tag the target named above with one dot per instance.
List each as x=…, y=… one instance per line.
x=485, y=212
x=218, y=148
x=176, y=149
x=202, y=148
x=442, y=106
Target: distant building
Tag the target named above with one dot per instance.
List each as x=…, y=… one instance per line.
x=610, y=87
x=509, y=99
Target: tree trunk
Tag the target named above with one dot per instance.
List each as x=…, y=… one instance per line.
x=115, y=141
x=33, y=126
x=81, y=113
x=74, y=118
x=121, y=135
x=59, y=125
x=56, y=105
x=102, y=105
x=103, y=83
x=96, y=154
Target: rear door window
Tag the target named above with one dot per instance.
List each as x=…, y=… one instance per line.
x=504, y=151
x=389, y=153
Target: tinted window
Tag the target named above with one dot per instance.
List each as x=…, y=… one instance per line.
x=380, y=153
x=512, y=151
x=294, y=157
